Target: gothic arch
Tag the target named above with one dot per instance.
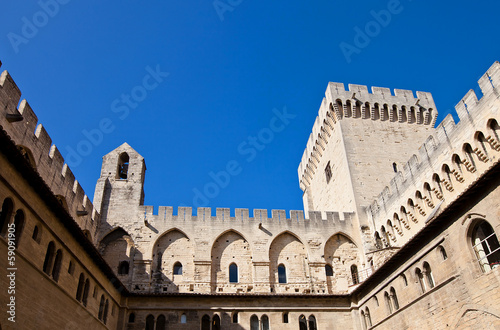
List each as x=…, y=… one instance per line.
x=172, y=247
x=341, y=253
x=166, y=233
x=230, y=248
x=287, y=249
x=117, y=246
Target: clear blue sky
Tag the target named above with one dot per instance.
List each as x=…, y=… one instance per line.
x=223, y=67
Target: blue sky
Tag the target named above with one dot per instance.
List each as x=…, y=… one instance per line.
x=205, y=77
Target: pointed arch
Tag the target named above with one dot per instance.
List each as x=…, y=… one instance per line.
x=225, y=248
x=341, y=252
x=287, y=250
x=117, y=246
x=172, y=256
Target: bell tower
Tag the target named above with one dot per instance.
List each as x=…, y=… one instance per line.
x=120, y=186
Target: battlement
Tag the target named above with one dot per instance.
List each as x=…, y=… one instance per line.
x=357, y=102
x=165, y=213
x=472, y=139
x=21, y=124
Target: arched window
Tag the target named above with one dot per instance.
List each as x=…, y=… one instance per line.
x=363, y=320
x=85, y=295
x=235, y=317
x=312, y=322
x=178, y=268
x=254, y=322
x=420, y=279
x=376, y=300
x=57, y=265
x=394, y=299
x=412, y=117
x=150, y=323
x=49, y=258
x=368, y=317
x=442, y=252
x=79, y=290
x=161, y=322
x=123, y=162
x=19, y=224
x=385, y=237
x=5, y=215
x=328, y=270
x=388, y=303
x=378, y=241
x=123, y=268
x=468, y=157
x=131, y=318
x=394, y=113
x=395, y=167
x=216, y=322
x=428, y=275
x=281, y=274
x=385, y=112
x=205, y=322
x=486, y=246
x=101, y=309
x=36, y=233
x=183, y=318
x=302, y=323
x=494, y=128
x=264, y=322
x=354, y=274
x=481, y=140
x=405, y=281
x=105, y=313
x=285, y=317
x=233, y=273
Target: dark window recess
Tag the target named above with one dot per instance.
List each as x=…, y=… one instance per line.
x=328, y=172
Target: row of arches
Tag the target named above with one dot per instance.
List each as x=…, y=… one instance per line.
x=377, y=111
x=232, y=257
x=421, y=204
x=214, y=322
x=483, y=243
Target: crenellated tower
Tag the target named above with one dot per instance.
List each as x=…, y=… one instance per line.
x=358, y=142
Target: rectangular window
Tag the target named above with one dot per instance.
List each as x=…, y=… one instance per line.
x=328, y=172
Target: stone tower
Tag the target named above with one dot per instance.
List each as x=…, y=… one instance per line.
x=359, y=141
x=120, y=186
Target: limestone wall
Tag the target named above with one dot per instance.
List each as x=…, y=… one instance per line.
x=447, y=164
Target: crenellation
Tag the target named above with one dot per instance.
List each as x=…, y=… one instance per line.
x=297, y=216
x=446, y=140
x=165, y=212
x=385, y=92
x=404, y=93
x=385, y=192
x=185, y=213
x=49, y=163
x=242, y=215
x=222, y=214
x=360, y=90
x=490, y=81
x=12, y=92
